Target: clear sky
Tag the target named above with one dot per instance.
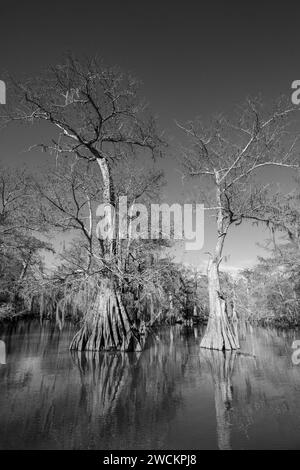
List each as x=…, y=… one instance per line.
x=194, y=58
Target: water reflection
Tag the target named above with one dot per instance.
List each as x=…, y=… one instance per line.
x=173, y=395
x=221, y=366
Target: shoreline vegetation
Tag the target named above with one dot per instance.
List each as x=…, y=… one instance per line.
x=188, y=306
x=7, y=315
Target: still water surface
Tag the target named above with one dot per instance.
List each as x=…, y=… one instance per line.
x=171, y=396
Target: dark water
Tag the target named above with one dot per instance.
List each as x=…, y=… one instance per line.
x=172, y=396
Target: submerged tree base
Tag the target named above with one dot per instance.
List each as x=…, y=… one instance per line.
x=220, y=333
x=106, y=326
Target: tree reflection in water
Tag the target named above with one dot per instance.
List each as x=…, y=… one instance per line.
x=171, y=396
x=131, y=390
x=103, y=376
x=221, y=365
x=51, y=398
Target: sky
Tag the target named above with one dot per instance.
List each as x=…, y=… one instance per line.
x=193, y=57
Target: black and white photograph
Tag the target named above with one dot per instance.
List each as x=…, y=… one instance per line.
x=149, y=230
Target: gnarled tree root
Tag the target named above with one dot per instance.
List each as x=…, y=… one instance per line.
x=106, y=326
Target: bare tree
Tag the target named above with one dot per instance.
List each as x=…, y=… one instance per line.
x=228, y=156
x=283, y=214
x=69, y=193
x=21, y=243
x=99, y=117
x=17, y=204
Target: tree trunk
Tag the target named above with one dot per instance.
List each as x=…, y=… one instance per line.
x=108, y=246
x=219, y=333
x=106, y=326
